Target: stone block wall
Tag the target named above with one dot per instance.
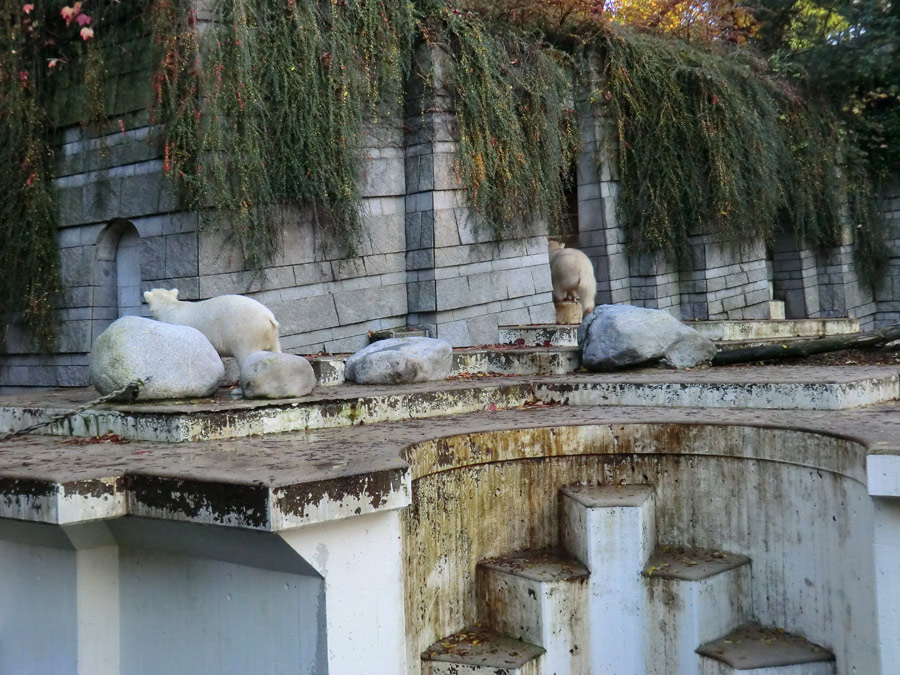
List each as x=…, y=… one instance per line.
x=795, y=277
x=719, y=282
x=463, y=282
x=840, y=291
x=888, y=294
x=725, y=281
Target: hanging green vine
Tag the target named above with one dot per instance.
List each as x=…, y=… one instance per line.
x=708, y=137
x=30, y=282
x=274, y=118
x=513, y=98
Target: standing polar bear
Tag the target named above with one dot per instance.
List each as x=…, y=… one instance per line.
x=573, y=276
x=235, y=325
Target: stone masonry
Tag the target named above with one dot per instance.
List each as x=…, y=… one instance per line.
x=463, y=283
x=888, y=295
x=720, y=282
x=423, y=260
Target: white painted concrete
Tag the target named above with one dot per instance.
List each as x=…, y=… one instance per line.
x=438, y=668
x=883, y=474
x=98, y=610
x=684, y=614
x=712, y=667
x=38, y=608
x=181, y=614
x=549, y=613
x=613, y=534
x=887, y=580
x=361, y=561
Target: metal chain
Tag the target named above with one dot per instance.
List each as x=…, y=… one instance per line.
x=133, y=387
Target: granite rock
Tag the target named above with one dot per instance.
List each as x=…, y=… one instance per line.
x=276, y=375
x=400, y=361
x=179, y=360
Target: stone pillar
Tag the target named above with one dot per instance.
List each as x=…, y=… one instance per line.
x=725, y=280
x=600, y=235
x=887, y=296
x=841, y=294
x=795, y=278
x=462, y=283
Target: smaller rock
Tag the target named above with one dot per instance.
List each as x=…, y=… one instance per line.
x=179, y=360
x=400, y=361
x=689, y=351
x=276, y=375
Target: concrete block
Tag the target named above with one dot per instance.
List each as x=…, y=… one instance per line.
x=612, y=530
x=452, y=293
x=140, y=195
x=307, y=314
x=76, y=265
x=356, y=306
x=181, y=255
x=421, y=296
x=540, y=598
x=692, y=597
x=219, y=252
x=454, y=332
x=446, y=229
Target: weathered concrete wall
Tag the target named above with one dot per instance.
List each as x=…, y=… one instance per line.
x=144, y=596
x=490, y=494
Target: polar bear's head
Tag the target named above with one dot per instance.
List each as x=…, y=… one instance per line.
x=554, y=245
x=159, y=297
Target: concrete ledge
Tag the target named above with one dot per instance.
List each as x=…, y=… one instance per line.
x=883, y=472
x=294, y=479
x=540, y=335
x=350, y=405
x=773, y=329
x=752, y=646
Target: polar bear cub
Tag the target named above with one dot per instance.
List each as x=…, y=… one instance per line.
x=235, y=325
x=573, y=276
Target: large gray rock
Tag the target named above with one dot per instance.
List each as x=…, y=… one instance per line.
x=400, y=361
x=180, y=361
x=617, y=336
x=276, y=375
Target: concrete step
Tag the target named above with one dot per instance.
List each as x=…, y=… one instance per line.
x=776, y=310
x=329, y=369
x=478, y=651
x=526, y=361
x=540, y=335
x=539, y=597
x=757, y=650
x=692, y=597
x=731, y=331
x=409, y=331
x=612, y=530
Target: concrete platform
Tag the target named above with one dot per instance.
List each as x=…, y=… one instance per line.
x=276, y=482
x=347, y=405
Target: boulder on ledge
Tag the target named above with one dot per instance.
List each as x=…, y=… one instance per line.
x=276, y=375
x=400, y=361
x=618, y=336
x=179, y=360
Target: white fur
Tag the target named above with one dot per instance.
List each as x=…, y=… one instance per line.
x=234, y=324
x=573, y=276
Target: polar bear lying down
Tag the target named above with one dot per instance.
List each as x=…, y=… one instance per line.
x=234, y=324
x=573, y=276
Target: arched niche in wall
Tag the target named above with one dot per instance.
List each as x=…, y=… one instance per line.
x=117, y=272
